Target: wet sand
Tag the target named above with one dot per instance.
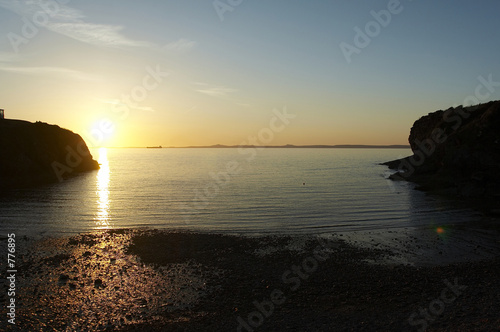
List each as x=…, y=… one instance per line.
x=139, y=280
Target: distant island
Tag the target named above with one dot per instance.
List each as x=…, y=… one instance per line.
x=456, y=152
x=39, y=153
x=290, y=146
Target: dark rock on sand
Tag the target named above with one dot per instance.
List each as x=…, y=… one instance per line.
x=455, y=152
x=38, y=153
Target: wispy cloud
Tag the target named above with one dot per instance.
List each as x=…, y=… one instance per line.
x=96, y=34
x=55, y=10
x=8, y=57
x=181, y=45
x=48, y=71
x=70, y=22
x=215, y=91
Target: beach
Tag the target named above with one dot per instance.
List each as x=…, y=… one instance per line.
x=144, y=279
x=247, y=166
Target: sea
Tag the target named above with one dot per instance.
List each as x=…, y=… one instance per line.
x=229, y=190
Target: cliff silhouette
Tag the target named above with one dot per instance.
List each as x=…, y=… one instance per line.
x=38, y=153
x=455, y=152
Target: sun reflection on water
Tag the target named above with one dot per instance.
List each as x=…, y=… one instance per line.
x=102, y=190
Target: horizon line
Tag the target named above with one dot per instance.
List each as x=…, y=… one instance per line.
x=286, y=146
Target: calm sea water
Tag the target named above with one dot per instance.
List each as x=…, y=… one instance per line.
x=227, y=190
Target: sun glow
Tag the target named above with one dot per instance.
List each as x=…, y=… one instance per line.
x=102, y=132
x=102, y=190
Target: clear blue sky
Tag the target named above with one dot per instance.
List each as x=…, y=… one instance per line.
x=219, y=80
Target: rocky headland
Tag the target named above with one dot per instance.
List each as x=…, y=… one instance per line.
x=38, y=153
x=456, y=152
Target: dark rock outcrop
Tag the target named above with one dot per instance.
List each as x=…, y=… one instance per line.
x=38, y=153
x=455, y=152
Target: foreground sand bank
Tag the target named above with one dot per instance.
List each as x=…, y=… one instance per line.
x=137, y=280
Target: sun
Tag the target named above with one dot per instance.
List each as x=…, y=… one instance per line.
x=102, y=132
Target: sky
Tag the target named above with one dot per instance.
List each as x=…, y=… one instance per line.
x=125, y=73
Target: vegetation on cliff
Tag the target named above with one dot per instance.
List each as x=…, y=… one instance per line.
x=38, y=153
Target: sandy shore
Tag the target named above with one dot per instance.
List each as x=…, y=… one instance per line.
x=138, y=280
